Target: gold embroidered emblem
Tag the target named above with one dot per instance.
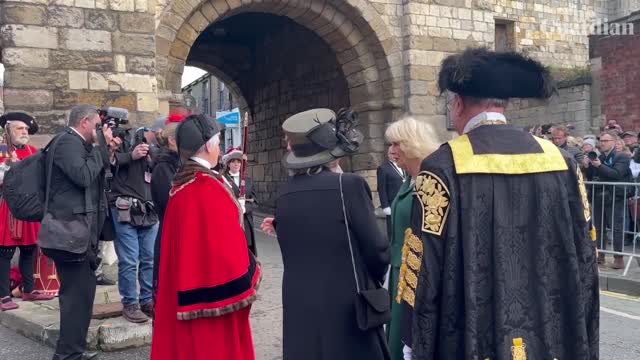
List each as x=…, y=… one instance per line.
x=410, y=268
x=434, y=198
x=583, y=195
x=518, y=350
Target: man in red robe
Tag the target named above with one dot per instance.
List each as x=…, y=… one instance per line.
x=207, y=276
x=15, y=233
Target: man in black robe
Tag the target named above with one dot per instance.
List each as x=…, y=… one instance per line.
x=500, y=263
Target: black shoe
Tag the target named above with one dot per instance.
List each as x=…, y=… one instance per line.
x=147, y=309
x=103, y=280
x=89, y=355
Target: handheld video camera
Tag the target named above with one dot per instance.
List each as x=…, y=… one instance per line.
x=113, y=117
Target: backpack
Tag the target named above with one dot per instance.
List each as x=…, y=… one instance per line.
x=27, y=183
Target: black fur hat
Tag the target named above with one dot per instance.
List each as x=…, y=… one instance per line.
x=483, y=73
x=20, y=116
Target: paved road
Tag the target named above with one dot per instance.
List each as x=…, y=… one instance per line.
x=619, y=327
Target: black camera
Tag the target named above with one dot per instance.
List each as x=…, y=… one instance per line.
x=592, y=155
x=113, y=117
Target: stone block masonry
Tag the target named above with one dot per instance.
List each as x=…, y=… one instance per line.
x=63, y=52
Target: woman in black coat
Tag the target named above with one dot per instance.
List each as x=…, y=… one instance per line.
x=319, y=287
x=165, y=166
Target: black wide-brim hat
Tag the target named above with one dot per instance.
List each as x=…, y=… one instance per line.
x=482, y=73
x=316, y=138
x=20, y=116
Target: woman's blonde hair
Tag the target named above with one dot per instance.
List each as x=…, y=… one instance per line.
x=167, y=131
x=417, y=139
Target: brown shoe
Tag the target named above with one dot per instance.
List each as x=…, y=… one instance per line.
x=618, y=262
x=133, y=314
x=36, y=296
x=147, y=309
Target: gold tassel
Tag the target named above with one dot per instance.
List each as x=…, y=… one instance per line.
x=518, y=350
x=593, y=234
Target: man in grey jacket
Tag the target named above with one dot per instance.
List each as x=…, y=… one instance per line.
x=559, y=135
x=70, y=228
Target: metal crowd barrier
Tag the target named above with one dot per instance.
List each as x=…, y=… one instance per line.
x=615, y=213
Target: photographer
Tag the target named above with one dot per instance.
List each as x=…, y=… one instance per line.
x=135, y=222
x=69, y=230
x=610, y=203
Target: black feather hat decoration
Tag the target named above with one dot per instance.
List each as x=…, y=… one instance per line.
x=483, y=73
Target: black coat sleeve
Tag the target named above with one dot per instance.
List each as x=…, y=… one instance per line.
x=72, y=159
x=618, y=171
x=426, y=309
x=382, y=187
x=586, y=251
x=373, y=246
x=161, y=185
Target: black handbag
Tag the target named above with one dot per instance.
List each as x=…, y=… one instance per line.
x=373, y=306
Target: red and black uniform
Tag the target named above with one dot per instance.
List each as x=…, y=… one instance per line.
x=208, y=275
x=16, y=233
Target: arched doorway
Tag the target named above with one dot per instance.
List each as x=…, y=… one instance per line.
x=285, y=57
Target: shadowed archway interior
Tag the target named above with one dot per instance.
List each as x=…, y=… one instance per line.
x=279, y=67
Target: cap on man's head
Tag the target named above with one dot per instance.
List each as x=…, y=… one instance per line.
x=628, y=133
x=194, y=131
x=19, y=116
x=482, y=73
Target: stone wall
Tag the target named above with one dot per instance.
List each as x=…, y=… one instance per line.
x=59, y=53
x=572, y=105
x=553, y=32
x=1, y=86
x=295, y=71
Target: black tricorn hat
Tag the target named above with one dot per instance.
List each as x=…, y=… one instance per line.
x=482, y=73
x=194, y=131
x=20, y=116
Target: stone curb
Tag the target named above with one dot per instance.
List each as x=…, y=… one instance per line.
x=620, y=284
x=40, y=322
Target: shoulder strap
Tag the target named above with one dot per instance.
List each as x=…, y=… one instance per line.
x=49, y=151
x=346, y=225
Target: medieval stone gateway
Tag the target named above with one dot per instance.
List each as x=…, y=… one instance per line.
x=278, y=57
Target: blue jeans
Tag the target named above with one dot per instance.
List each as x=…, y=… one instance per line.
x=134, y=247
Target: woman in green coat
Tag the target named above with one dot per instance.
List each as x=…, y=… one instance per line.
x=411, y=141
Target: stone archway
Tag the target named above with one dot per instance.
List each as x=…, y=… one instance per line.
x=366, y=55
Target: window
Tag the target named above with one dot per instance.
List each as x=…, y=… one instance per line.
x=205, y=106
x=504, y=35
x=221, y=96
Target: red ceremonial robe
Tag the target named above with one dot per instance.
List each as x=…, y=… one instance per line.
x=14, y=232
x=207, y=278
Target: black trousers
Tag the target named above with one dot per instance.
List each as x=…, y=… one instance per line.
x=389, y=228
x=76, y=295
x=25, y=264
x=609, y=213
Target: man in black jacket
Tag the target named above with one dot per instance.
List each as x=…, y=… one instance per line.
x=72, y=224
x=610, y=202
x=136, y=224
x=390, y=178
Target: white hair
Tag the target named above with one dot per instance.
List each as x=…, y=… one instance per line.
x=213, y=142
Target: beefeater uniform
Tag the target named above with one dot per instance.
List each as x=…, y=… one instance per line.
x=499, y=263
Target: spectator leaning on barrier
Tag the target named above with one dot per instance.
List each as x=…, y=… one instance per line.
x=610, y=201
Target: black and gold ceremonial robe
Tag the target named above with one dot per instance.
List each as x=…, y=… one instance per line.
x=500, y=263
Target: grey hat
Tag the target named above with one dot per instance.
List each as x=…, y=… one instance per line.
x=319, y=136
x=194, y=131
x=589, y=141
